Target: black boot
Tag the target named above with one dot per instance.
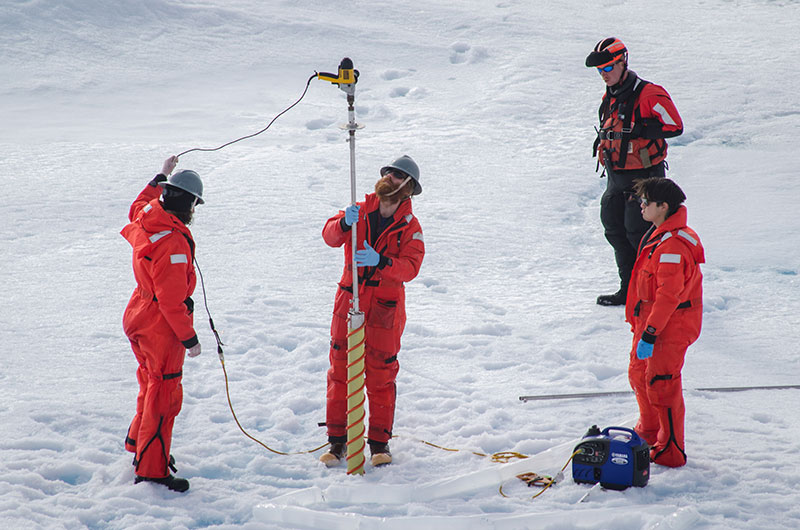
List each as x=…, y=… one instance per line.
x=617, y=298
x=334, y=455
x=380, y=453
x=173, y=483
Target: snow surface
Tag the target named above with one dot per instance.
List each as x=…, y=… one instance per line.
x=493, y=101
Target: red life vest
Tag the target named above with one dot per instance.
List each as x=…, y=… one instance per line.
x=617, y=144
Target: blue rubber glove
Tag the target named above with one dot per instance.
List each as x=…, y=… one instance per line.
x=368, y=257
x=644, y=350
x=351, y=214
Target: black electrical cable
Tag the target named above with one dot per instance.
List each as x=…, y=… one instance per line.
x=210, y=320
x=203, y=285
x=259, y=132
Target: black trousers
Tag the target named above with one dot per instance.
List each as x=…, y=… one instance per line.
x=621, y=216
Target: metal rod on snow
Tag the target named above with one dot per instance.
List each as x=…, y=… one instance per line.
x=346, y=80
x=546, y=397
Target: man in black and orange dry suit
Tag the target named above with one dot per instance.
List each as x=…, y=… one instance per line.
x=665, y=310
x=636, y=117
x=158, y=319
x=391, y=253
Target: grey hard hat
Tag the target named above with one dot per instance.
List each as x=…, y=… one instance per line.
x=187, y=180
x=406, y=165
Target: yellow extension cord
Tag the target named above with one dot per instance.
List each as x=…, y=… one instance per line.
x=533, y=479
x=502, y=457
x=256, y=440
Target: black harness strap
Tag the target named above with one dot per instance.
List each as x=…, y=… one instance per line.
x=601, y=113
x=191, y=244
x=625, y=114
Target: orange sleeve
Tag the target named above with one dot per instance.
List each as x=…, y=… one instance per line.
x=333, y=233
x=145, y=196
x=655, y=103
x=406, y=265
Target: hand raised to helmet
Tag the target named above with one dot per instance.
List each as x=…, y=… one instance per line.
x=169, y=165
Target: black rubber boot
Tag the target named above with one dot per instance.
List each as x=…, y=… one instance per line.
x=335, y=454
x=617, y=298
x=173, y=483
x=380, y=453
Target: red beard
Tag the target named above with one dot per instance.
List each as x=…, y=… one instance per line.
x=386, y=191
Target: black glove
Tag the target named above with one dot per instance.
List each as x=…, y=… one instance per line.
x=649, y=128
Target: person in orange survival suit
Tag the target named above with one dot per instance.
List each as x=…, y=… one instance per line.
x=636, y=117
x=392, y=254
x=158, y=319
x=665, y=310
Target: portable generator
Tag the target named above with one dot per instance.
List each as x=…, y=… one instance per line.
x=615, y=457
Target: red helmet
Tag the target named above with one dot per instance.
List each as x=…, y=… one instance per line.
x=607, y=51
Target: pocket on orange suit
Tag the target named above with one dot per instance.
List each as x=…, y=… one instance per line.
x=661, y=391
x=175, y=399
x=382, y=313
x=644, y=282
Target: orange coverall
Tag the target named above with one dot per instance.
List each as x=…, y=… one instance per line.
x=158, y=322
x=382, y=300
x=665, y=300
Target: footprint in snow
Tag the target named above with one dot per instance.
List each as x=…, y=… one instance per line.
x=319, y=123
x=391, y=75
x=461, y=52
x=433, y=285
x=399, y=92
x=458, y=52
x=414, y=93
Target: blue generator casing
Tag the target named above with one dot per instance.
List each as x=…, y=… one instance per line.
x=615, y=457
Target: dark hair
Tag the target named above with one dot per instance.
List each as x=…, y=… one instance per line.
x=176, y=199
x=185, y=217
x=660, y=189
x=179, y=203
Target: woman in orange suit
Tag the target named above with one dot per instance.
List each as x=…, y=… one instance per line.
x=158, y=320
x=665, y=309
